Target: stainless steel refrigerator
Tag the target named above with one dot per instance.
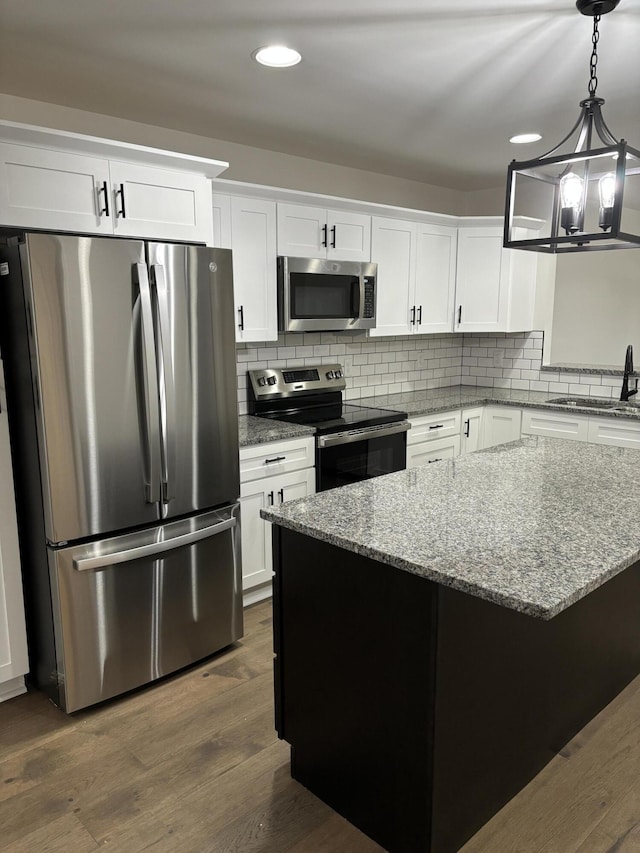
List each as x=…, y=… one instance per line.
x=123, y=414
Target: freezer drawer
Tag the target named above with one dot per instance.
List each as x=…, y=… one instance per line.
x=130, y=609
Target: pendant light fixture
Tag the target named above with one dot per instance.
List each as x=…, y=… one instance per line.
x=579, y=187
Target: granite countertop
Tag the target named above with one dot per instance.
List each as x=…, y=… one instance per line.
x=253, y=430
x=533, y=525
x=463, y=396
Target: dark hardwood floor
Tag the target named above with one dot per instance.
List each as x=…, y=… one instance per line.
x=193, y=765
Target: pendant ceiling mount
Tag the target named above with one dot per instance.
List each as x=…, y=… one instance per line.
x=578, y=188
x=596, y=7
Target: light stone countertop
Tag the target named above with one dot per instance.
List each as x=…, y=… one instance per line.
x=533, y=525
x=253, y=430
x=464, y=396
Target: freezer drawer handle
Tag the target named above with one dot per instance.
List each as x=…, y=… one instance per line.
x=85, y=564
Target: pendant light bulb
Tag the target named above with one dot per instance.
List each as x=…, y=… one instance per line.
x=571, y=195
x=607, y=189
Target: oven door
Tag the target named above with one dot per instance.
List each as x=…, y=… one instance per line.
x=348, y=457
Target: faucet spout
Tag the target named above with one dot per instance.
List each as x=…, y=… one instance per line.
x=625, y=392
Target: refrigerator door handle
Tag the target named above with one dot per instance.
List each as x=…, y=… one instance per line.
x=168, y=418
x=150, y=384
x=84, y=564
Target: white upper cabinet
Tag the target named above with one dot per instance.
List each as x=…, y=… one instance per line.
x=160, y=204
x=435, y=277
x=416, y=276
x=314, y=232
x=53, y=189
x=495, y=287
x=70, y=182
x=393, y=244
x=248, y=227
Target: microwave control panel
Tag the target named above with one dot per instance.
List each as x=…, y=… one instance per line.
x=369, y=308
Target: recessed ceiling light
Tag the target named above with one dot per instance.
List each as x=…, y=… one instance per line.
x=277, y=56
x=523, y=138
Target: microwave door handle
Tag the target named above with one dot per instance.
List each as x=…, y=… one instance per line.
x=360, y=312
x=168, y=418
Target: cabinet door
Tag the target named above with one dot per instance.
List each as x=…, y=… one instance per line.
x=435, y=277
x=257, y=562
x=255, y=534
x=393, y=249
x=221, y=221
x=302, y=231
x=556, y=425
x=501, y=424
x=471, y=438
x=349, y=236
x=13, y=639
x=428, y=452
x=481, y=297
x=618, y=432
x=53, y=190
x=253, y=241
x=160, y=204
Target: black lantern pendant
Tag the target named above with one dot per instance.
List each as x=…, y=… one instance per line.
x=579, y=194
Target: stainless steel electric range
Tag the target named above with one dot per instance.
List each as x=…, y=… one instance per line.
x=352, y=442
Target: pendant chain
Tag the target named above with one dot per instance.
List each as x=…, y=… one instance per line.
x=593, y=62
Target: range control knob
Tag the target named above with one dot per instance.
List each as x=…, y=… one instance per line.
x=338, y=374
x=272, y=380
x=330, y=374
x=262, y=381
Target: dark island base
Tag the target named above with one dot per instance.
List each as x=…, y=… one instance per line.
x=416, y=711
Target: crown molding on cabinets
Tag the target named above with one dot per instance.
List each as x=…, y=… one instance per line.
x=78, y=143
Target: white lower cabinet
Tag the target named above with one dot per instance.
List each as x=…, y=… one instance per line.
x=13, y=638
x=269, y=474
x=555, y=424
x=471, y=438
x=500, y=425
x=618, y=432
x=432, y=451
x=433, y=438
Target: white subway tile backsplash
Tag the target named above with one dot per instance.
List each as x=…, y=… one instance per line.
x=375, y=366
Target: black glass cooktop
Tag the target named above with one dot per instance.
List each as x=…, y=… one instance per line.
x=338, y=417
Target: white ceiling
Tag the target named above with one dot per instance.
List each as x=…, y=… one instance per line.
x=424, y=89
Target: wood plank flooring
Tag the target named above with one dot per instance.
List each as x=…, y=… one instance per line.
x=193, y=765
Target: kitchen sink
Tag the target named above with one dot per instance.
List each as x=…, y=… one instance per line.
x=594, y=403
x=586, y=402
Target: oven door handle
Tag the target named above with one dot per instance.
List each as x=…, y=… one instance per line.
x=362, y=434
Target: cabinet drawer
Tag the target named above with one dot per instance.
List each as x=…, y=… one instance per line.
x=433, y=427
x=620, y=433
x=432, y=451
x=573, y=427
x=277, y=457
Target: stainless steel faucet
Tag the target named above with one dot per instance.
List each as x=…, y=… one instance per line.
x=625, y=393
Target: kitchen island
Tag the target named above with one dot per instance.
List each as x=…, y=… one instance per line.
x=441, y=632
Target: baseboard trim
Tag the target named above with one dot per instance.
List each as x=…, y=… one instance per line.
x=258, y=593
x=13, y=687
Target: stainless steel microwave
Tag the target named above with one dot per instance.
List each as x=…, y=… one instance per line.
x=318, y=295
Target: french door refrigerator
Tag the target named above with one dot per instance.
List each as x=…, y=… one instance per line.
x=123, y=408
